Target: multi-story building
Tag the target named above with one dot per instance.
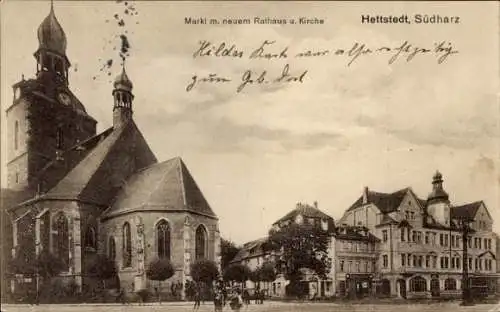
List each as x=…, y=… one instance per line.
x=355, y=261
x=252, y=254
x=420, y=252
x=351, y=249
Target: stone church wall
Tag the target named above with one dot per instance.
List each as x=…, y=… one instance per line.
x=182, y=244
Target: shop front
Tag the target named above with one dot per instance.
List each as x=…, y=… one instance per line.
x=358, y=285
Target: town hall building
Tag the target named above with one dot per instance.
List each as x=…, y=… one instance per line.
x=78, y=193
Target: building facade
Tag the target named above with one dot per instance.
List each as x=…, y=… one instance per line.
x=355, y=261
x=86, y=193
x=420, y=249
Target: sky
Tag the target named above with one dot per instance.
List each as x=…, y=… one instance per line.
x=256, y=153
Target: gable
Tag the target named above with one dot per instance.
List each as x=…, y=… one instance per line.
x=487, y=254
x=482, y=210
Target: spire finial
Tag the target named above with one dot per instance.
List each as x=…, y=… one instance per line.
x=52, y=6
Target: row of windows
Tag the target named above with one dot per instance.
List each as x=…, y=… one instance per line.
x=356, y=246
x=419, y=284
x=418, y=260
x=445, y=240
x=409, y=260
x=409, y=215
x=359, y=266
x=163, y=241
x=477, y=243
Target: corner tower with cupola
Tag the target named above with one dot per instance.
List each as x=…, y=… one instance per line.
x=438, y=203
x=45, y=117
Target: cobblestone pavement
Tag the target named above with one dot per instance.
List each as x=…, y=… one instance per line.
x=267, y=307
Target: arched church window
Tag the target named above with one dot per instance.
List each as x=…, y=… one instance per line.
x=16, y=135
x=90, y=237
x=127, y=245
x=112, y=248
x=201, y=243
x=163, y=239
x=61, y=238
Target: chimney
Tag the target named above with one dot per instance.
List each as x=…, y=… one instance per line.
x=365, y=195
x=316, y=204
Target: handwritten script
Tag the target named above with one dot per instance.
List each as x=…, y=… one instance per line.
x=270, y=50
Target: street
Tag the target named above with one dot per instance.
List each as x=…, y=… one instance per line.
x=268, y=307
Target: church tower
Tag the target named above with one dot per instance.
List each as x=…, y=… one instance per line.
x=123, y=97
x=438, y=204
x=45, y=117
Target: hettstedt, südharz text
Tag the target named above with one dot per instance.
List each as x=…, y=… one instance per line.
x=255, y=20
x=407, y=19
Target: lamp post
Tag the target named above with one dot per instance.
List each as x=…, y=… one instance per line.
x=466, y=295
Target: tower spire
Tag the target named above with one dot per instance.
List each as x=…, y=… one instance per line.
x=123, y=97
x=52, y=62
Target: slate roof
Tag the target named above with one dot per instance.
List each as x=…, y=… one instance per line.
x=251, y=249
x=163, y=186
x=467, y=211
x=100, y=174
x=306, y=211
x=386, y=202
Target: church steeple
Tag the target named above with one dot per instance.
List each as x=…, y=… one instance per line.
x=52, y=62
x=123, y=97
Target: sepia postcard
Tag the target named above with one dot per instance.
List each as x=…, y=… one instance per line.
x=250, y=156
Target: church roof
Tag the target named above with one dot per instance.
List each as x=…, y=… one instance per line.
x=166, y=186
x=99, y=176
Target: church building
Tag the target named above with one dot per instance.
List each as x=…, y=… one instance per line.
x=80, y=193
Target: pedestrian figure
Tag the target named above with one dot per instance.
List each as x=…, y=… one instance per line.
x=236, y=301
x=196, y=298
x=246, y=297
x=218, y=300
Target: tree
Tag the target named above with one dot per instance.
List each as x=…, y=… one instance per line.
x=204, y=272
x=102, y=268
x=48, y=265
x=303, y=246
x=267, y=272
x=228, y=251
x=160, y=270
x=264, y=273
x=237, y=272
